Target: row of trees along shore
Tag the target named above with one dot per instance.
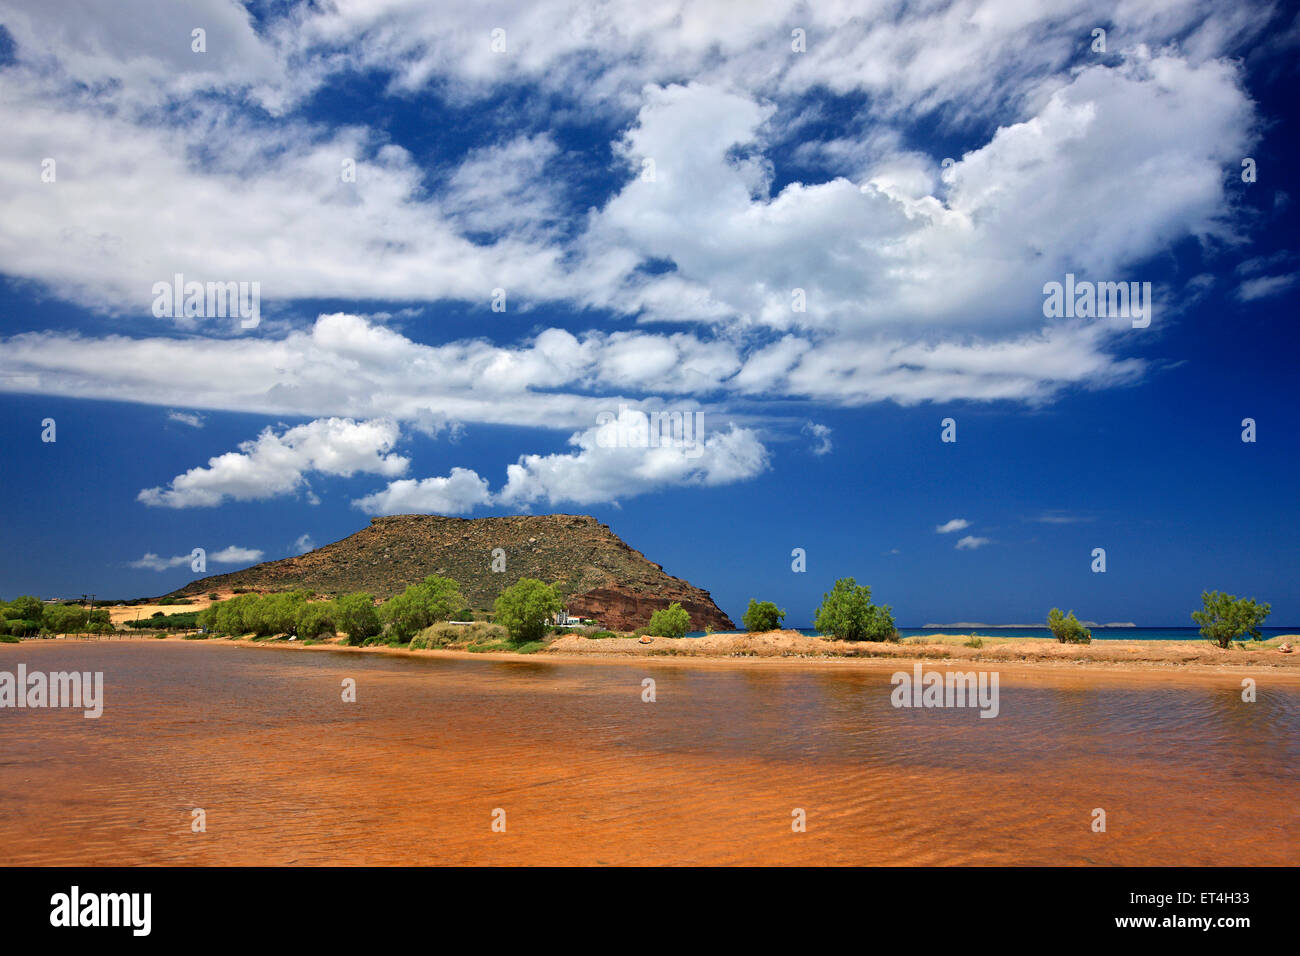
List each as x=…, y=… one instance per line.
x=522, y=616
x=28, y=616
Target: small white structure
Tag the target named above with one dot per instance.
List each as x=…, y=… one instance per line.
x=566, y=619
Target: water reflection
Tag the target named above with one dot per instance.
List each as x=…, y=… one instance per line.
x=588, y=772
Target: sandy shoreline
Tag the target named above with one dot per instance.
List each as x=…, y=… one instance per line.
x=1021, y=659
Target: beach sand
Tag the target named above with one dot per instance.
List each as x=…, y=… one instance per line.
x=1029, y=656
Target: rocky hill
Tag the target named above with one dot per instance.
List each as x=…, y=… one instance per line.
x=602, y=577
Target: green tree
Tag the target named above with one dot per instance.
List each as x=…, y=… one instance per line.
x=356, y=617
x=762, y=616
x=25, y=608
x=847, y=614
x=1226, y=617
x=420, y=605
x=525, y=607
x=1066, y=628
x=283, y=609
x=65, y=619
x=316, y=618
x=670, y=621
x=235, y=616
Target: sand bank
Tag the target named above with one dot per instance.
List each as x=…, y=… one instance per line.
x=1018, y=658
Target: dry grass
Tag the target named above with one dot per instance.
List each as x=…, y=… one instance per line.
x=942, y=647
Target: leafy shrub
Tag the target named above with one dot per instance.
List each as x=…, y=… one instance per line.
x=847, y=614
x=525, y=607
x=974, y=641
x=356, y=617
x=419, y=643
x=71, y=619
x=229, y=617
x=1066, y=628
x=316, y=618
x=442, y=635
x=182, y=619
x=419, y=606
x=1226, y=617
x=10, y=639
x=25, y=608
x=275, y=613
x=762, y=616
x=670, y=621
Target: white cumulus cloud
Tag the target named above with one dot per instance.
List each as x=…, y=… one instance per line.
x=274, y=465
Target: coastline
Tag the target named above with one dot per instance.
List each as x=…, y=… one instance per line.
x=1020, y=659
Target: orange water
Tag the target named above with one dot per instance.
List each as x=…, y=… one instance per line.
x=587, y=773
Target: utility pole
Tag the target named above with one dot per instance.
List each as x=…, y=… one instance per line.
x=90, y=609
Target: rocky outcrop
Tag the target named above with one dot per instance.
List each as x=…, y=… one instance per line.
x=625, y=610
x=601, y=575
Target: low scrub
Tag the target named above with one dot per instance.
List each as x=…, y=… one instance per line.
x=494, y=646
x=445, y=635
x=671, y=621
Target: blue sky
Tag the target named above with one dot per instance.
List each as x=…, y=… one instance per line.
x=744, y=219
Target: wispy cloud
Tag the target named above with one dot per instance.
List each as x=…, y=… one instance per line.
x=230, y=555
x=193, y=419
x=822, y=434
x=1262, y=287
x=971, y=542
x=1061, y=517
x=235, y=555
x=956, y=524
